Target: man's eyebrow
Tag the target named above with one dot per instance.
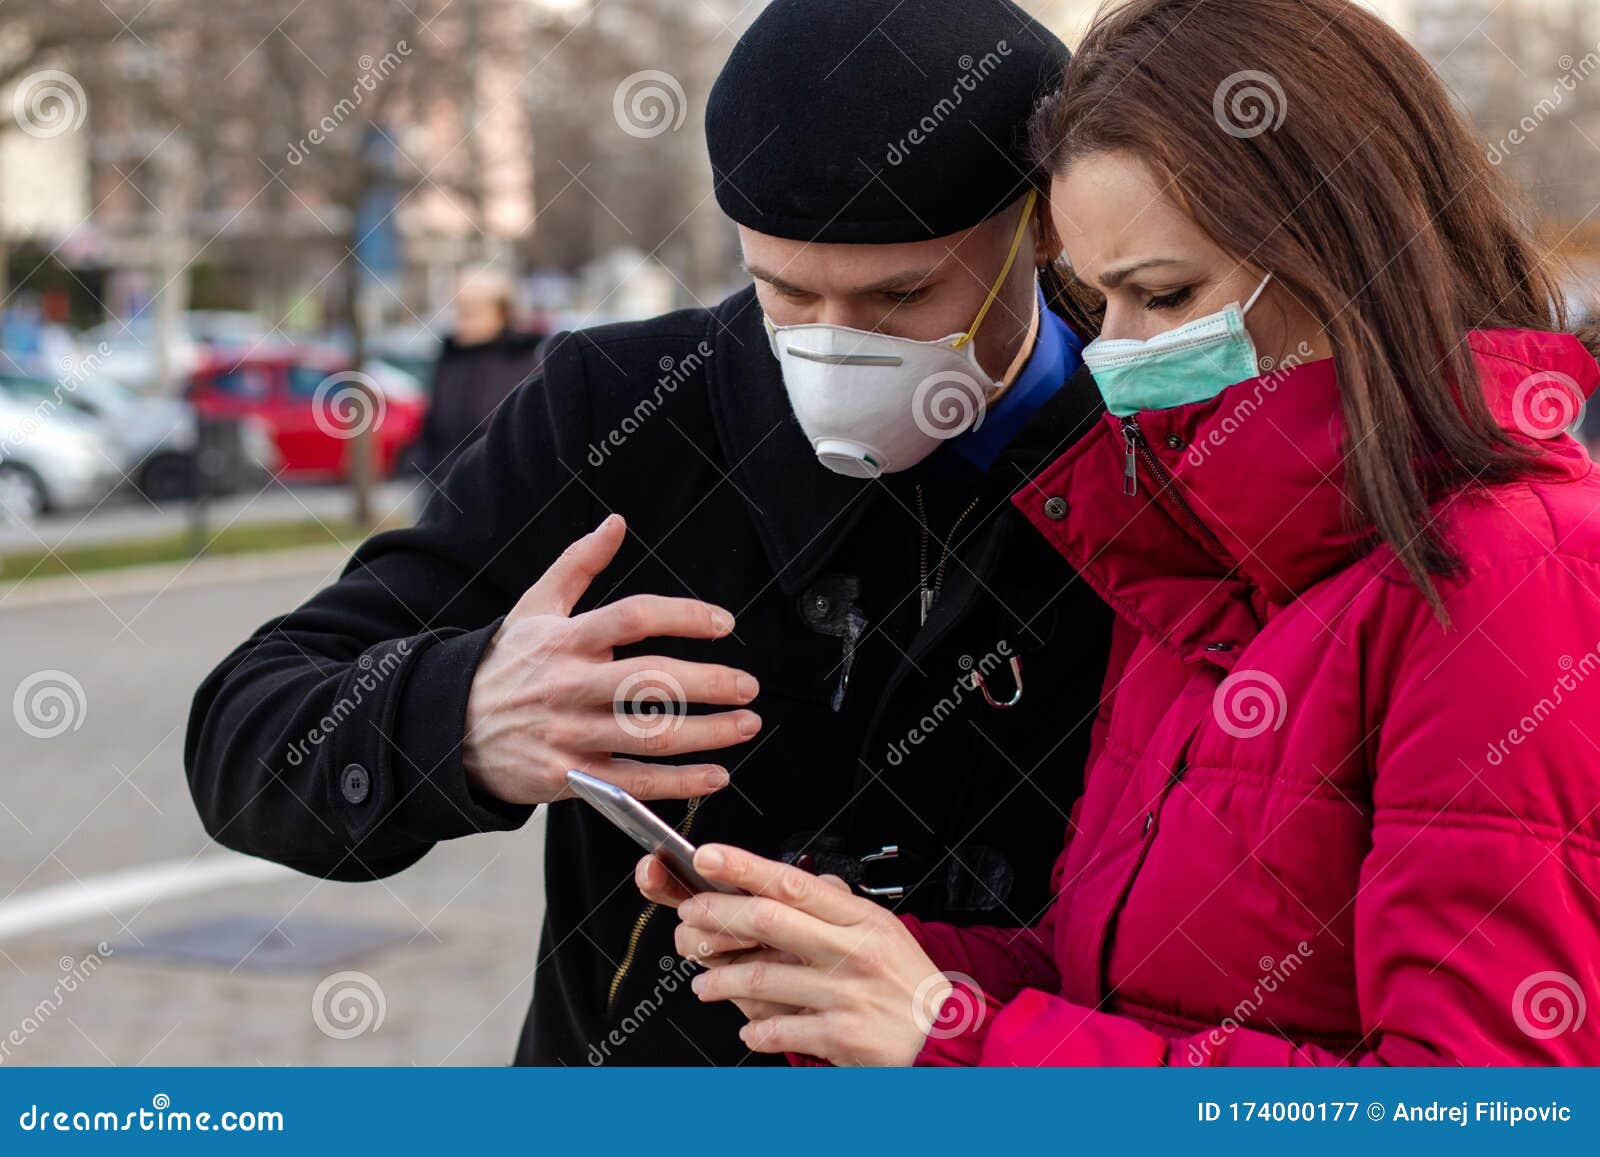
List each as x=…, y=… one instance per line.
x=905, y=280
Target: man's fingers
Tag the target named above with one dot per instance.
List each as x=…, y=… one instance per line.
x=766, y=980
x=827, y=899
x=659, y=780
x=640, y=617
x=559, y=588
x=657, y=683
x=670, y=734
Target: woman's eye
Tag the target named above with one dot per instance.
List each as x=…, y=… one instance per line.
x=1170, y=300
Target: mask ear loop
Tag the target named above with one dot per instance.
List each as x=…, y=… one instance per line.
x=1011, y=257
x=1256, y=296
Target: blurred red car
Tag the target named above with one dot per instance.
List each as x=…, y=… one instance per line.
x=314, y=404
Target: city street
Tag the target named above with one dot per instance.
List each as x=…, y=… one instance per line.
x=101, y=844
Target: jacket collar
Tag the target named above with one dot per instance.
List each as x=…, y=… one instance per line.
x=803, y=511
x=1256, y=513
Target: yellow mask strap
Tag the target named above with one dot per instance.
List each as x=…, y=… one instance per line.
x=1011, y=257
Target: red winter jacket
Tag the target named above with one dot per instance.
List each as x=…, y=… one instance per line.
x=1319, y=828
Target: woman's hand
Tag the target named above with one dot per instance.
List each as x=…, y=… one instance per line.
x=858, y=988
x=707, y=948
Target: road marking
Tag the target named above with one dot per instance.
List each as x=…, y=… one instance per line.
x=99, y=896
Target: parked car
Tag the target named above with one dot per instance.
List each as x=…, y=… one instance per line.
x=51, y=459
x=311, y=411
x=154, y=439
x=126, y=350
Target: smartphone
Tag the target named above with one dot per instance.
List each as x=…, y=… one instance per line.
x=648, y=830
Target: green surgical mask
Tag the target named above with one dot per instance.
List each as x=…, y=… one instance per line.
x=1192, y=363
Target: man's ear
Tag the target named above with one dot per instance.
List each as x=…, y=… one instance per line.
x=1047, y=242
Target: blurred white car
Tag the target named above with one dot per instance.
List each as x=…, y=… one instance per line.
x=51, y=459
x=153, y=440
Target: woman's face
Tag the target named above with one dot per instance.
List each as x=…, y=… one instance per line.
x=1126, y=239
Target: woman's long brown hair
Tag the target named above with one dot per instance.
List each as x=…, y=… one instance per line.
x=1363, y=190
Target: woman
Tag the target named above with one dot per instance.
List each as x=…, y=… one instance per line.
x=1344, y=807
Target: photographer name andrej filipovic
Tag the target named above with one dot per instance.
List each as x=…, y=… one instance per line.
x=1509, y=1113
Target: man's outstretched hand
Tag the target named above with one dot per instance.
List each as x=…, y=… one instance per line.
x=546, y=695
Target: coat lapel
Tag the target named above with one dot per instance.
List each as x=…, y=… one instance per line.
x=802, y=510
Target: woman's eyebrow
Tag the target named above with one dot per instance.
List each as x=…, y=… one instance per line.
x=1114, y=277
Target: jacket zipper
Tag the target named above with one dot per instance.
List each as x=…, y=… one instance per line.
x=639, y=925
x=1138, y=448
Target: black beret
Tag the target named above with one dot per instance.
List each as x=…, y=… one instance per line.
x=878, y=121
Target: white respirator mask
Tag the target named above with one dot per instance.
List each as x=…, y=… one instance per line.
x=872, y=403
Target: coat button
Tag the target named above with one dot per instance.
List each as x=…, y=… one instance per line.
x=355, y=783
x=1175, y=442
x=1055, y=509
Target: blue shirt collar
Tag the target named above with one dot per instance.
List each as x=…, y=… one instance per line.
x=1057, y=354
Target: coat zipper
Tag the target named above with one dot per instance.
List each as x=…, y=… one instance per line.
x=639, y=925
x=1138, y=448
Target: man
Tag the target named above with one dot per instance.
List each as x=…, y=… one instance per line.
x=819, y=554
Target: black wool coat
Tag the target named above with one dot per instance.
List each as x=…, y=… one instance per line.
x=878, y=759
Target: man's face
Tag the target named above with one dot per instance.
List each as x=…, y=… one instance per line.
x=922, y=290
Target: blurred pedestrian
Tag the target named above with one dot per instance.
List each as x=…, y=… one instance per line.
x=483, y=359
